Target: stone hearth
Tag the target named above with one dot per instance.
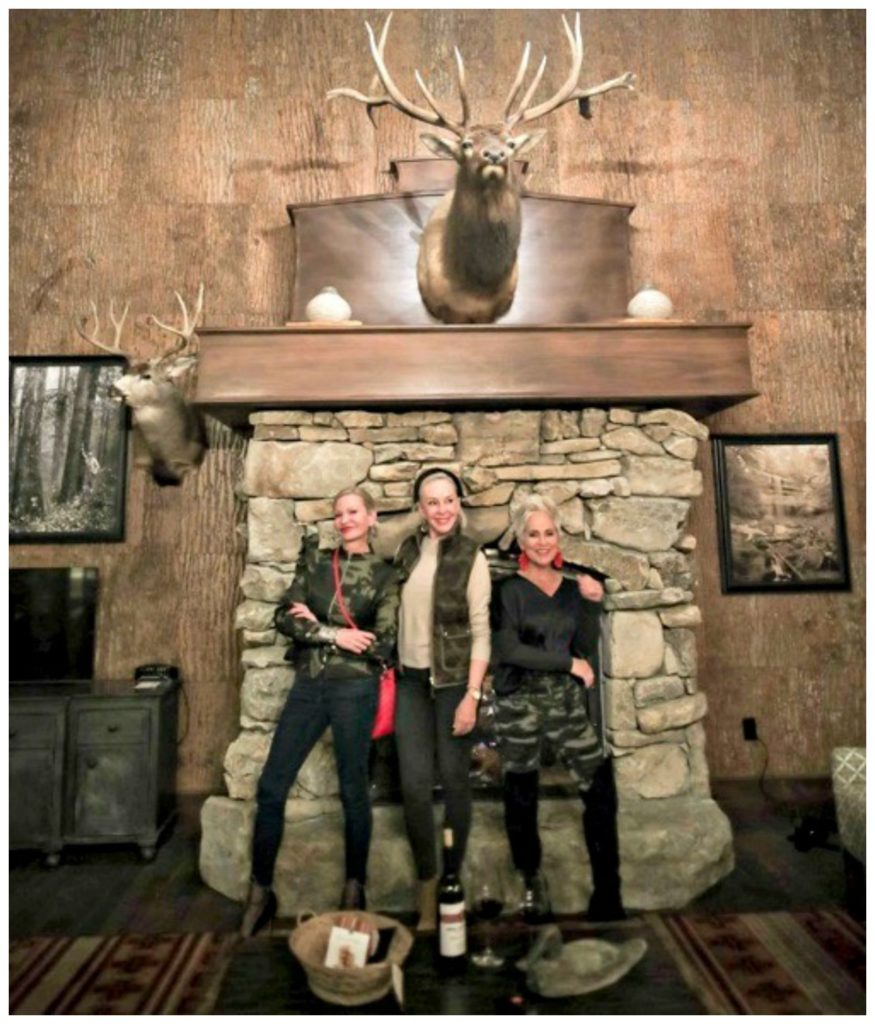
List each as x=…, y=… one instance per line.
x=623, y=480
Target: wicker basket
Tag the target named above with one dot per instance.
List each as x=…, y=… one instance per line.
x=347, y=986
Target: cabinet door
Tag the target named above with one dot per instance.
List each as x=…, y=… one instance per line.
x=34, y=798
x=36, y=758
x=111, y=792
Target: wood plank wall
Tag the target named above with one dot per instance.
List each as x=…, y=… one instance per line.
x=151, y=149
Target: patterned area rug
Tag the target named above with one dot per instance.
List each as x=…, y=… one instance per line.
x=788, y=963
x=132, y=974
x=778, y=963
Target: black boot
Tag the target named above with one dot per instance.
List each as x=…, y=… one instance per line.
x=259, y=909
x=600, y=833
x=535, y=906
x=353, y=895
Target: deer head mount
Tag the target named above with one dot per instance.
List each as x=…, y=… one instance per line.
x=467, y=265
x=170, y=429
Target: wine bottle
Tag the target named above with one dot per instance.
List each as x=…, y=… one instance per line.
x=452, y=936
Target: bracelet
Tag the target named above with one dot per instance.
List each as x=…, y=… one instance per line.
x=477, y=694
x=328, y=634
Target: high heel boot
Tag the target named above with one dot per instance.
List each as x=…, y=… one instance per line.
x=602, y=842
x=260, y=908
x=426, y=900
x=535, y=907
x=353, y=895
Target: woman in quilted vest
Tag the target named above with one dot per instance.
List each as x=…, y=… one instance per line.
x=337, y=671
x=443, y=648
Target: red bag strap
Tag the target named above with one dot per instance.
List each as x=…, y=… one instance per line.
x=338, y=592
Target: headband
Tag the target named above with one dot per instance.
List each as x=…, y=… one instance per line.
x=435, y=471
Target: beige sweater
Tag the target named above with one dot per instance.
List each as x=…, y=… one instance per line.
x=415, y=625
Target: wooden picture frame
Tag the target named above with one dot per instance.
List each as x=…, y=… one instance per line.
x=67, y=450
x=780, y=515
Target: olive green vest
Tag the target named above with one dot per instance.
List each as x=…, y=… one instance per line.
x=451, y=624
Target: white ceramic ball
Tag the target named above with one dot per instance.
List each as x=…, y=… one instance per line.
x=650, y=304
x=328, y=305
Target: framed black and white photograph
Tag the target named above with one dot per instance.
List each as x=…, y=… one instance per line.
x=67, y=450
x=780, y=516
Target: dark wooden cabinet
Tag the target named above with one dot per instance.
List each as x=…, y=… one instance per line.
x=36, y=775
x=91, y=763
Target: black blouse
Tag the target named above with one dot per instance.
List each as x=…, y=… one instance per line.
x=538, y=633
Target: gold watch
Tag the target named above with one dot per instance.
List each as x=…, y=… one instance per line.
x=476, y=694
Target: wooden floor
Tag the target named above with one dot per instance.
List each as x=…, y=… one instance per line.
x=106, y=890
x=103, y=891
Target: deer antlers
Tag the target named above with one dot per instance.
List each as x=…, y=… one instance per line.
x=185, y=335
x=189, y=325
x=392, y=95
x=119, y=324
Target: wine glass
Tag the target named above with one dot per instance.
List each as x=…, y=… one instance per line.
x=487, y=905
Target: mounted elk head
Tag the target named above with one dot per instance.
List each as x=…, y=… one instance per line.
x=170, y=428
x=467, y=266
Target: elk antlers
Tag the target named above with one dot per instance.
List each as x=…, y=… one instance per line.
x=395, y=98
x=568, y=90
x=392, y=95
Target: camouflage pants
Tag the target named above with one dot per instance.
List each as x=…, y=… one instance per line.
x=547, y=705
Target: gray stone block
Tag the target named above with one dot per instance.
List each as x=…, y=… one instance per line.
x=671, y=850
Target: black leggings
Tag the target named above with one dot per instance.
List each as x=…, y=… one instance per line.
x=599, y=819
x=423, y=736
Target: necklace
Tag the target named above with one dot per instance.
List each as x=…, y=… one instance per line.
x=344, y=569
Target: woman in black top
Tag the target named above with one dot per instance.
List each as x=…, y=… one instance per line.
x=547, y=635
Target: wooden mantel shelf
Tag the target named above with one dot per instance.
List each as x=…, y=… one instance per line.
x=697, y=367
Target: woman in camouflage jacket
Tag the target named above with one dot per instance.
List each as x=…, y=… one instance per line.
x=337, y=671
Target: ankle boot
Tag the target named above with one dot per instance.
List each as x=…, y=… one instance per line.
x=353, y=895
x=259, y=909
x=426, y=899
x=535, y=906
x=602, y=842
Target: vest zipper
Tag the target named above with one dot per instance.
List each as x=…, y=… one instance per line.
x=431, y=683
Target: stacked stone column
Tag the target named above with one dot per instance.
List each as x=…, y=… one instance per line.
x=623, y=480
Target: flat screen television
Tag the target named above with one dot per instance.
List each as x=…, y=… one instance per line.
x=52, y=615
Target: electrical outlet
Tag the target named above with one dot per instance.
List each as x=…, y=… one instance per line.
x=749, y=728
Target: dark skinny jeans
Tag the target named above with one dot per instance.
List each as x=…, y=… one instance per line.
x=423, y=735
x=348, y=706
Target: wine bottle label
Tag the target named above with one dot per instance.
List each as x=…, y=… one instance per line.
x=452, y=929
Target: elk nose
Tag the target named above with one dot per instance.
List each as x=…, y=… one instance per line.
x=494, y=156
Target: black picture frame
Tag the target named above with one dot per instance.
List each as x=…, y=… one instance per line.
x=780, y=514
x=68, y=450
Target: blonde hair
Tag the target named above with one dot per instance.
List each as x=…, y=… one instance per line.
x=441, y=475
x=533, y=503
x=367, y=498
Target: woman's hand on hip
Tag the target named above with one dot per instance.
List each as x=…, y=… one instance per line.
x=300, y=611
x=356, y=641
x=582, y=669
x=590, y=588
x=465, y=717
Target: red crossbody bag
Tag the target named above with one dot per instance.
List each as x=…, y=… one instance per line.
x=384, y=720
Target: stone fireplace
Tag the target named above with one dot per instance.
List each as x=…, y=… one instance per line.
x=623, y=478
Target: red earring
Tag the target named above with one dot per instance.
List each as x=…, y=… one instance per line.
x=523, y=559
x=558, y=560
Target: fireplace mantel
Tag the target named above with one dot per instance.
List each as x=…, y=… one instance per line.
x=700, y=368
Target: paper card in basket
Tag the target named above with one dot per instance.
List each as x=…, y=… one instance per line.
x=347, y=948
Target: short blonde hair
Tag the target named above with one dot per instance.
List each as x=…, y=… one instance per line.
x=526, y=508
x=439, y=474
x=367, y=498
